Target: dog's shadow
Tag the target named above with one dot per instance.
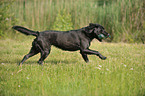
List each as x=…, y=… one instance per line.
x=59, y=62
x=52, y=62
x=47, y=62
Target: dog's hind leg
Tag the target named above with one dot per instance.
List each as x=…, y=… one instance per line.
x=32, y=52
x=44, y=54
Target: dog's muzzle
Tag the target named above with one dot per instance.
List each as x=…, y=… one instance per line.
x=102, y=36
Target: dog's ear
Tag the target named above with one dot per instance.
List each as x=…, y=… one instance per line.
x=98, y=25
x=90, y=28
x=92, y=25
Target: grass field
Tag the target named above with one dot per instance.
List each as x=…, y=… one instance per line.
x=66, y=74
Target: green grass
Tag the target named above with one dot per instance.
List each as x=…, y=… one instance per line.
x=66, y=74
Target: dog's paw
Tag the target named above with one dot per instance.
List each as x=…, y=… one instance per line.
x=87, y=61
x=40, y=62
x=103, y=57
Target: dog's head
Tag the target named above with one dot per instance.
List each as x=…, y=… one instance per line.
x=96, y=31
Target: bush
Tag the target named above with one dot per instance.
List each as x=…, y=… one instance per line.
x=63, y=21
x=6, y=18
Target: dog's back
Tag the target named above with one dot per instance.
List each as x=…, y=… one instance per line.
x=66, y=40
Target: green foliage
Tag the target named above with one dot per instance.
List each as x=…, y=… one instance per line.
x=63, y=21
x=6, y=18
x=66, y=73
x=123, y=19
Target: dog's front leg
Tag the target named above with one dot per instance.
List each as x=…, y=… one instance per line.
x=92, y=52
x=85, y=57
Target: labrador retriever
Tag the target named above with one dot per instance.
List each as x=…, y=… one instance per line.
x=72, y=40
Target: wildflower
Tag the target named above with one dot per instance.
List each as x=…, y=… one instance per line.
x=107, y=69
x=7, y=19
x=18, y=85
x=124, y=65
x=131, y=68
x=98, y=68
x=27, y=77
x=99, y=65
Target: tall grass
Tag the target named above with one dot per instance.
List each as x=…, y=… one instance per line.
x=123, y=19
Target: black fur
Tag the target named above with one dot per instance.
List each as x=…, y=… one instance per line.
x=72, y=40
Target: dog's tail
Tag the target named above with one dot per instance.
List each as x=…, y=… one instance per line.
x=26, y=31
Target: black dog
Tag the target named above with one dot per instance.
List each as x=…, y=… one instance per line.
x=66, y=40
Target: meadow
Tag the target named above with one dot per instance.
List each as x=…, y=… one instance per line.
x=66, y=74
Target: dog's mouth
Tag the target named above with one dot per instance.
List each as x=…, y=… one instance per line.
x=102, y=36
